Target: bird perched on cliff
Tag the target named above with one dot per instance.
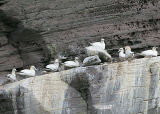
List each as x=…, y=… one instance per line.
x=99, y=44
x=103, y=54
x=28, y=72
x=150, y=53
x=128, y=52
x=12, y=76
x=122, y=55
x=53, y=67
x=72, y=64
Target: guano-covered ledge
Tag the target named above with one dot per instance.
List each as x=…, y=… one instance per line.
x=129, y=87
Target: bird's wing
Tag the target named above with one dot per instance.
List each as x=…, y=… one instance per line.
x=52, y=66
x=13, y=77
x=69, y=63
x=27, y=72
x=8, y=75
x=122, y=55
x=97, y=44
x=147, y=52
x=49, y=66
x=24, y=71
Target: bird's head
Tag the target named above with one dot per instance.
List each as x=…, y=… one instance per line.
x=56, y=61
x=102, y=40
x=76, y=58
x=154, y=48
x=14, y=70
x=127, y=48
x=121, y=50
x=33, y=68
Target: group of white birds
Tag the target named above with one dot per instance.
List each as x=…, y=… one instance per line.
x=25, y=72
x=124, y=53
x=127, y=53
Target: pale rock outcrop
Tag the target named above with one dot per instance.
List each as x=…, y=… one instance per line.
x=92, y=60
x=68, y=26
x=129, y=87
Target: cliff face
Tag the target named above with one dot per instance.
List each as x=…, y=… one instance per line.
x=19, y=46
x=119, y=88
x=27, y=27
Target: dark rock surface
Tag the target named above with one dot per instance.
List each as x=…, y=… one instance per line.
x=29, y=27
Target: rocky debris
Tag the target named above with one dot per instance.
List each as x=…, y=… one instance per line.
x=119, y=88
x=92, y=60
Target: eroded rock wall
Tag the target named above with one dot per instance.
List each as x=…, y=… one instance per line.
x=69, y=25
x=74, y=23
x=46, y=94
x=22, y=49
x=130, y=87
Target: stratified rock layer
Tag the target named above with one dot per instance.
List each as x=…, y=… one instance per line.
x=129, y=87
x=26, y=26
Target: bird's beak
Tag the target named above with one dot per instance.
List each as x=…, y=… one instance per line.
x=36, y=69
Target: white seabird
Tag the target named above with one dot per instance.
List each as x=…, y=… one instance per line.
x=122, y=55
x=150, y=53
x=54, y=67
x=72, y=64
x=99, y=44
x=28, y=72
x=12, y=76
x=103, y=54
x=128, y=52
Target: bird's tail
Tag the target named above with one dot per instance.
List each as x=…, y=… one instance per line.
x=90, y=43
x=138, y=55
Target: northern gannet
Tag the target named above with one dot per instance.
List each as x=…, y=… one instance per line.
x=103, y=54
x=150, y=53
x=128, y=52
x=54, y=67
x=12, y=76
x=122, y=55
x=99, y=44
x=72, y=64
x=28, y=72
